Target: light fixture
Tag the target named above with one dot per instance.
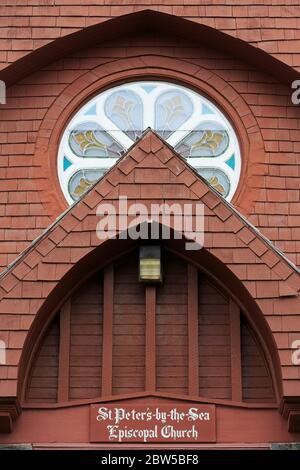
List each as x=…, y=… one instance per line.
x=150, y=264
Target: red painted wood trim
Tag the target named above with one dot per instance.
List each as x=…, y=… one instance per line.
x=150, y=339
x=64, y=353
x=130, y=446
x=193, y=333
x=235, y=346
x=159, y=395
x=108, y=302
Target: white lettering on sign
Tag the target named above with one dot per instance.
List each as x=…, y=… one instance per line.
x=153, y=423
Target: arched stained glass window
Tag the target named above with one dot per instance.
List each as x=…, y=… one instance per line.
x=105, y=127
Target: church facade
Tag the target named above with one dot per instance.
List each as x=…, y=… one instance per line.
x=149, y=225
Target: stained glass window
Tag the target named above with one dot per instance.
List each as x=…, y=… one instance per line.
x=105, y=127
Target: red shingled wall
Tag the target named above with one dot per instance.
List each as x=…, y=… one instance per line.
x=264, y=107
x=42, y=279
x=34, y=105
x=263, y=274
x=27, y=25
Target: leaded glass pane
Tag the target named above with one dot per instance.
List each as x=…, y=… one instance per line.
x=217, y=179
x=125, y=109
x=82, y=180
x=89, y=140
x=209, y=139
x=172, y=109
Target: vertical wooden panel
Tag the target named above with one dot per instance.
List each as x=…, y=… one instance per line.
x=64, y=353
x=150, y=338
x=214, y=342
x=172, y=350
x=235, y=346
x=43, y=381
x=128, y=327
x=86, y=336
x=107, y=331
x=193, y=330
x=256, y=378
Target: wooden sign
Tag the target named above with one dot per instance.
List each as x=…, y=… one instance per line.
x=152, y=423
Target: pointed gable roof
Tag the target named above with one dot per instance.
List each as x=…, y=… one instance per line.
x=152, y=170
x=149, y=172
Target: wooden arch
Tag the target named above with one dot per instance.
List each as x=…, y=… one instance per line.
x=101, y=259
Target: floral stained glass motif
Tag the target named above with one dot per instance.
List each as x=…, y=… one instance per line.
x=89, y=140
x=106, y=126
x=124, y=108
x=217, y=179
x=172, y=109
x=207, y=140
x=82, y=180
